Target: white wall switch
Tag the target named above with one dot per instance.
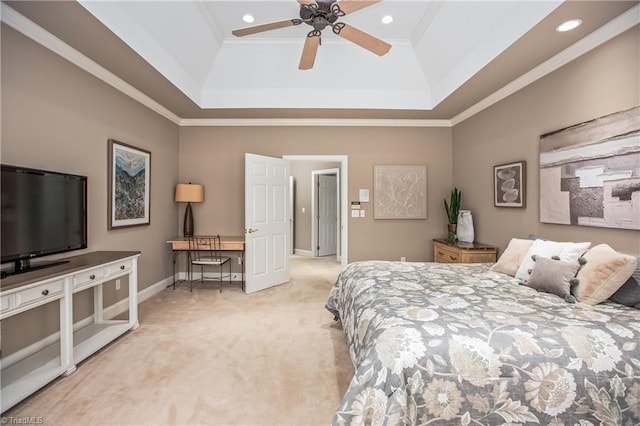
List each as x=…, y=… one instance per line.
x=354, y=213
x=117, y=285
x=403, y=259
x=361, y=213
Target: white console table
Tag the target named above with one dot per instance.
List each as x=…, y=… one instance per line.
x=22, y=292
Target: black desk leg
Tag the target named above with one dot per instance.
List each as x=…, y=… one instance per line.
x=176, y=254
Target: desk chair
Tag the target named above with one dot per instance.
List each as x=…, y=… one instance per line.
x=205, y=252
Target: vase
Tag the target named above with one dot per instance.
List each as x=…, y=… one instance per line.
x=465, y=231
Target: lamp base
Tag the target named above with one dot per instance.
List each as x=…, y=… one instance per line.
x=188, y=222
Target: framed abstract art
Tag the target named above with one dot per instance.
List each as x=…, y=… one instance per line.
x=400, y=192
x=590, y=173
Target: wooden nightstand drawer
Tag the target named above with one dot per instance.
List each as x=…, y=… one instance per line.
x=444, y=254
x=485, y=257
x=458, y=252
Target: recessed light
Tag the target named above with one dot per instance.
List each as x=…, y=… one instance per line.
x=248, y=18
x=387, y=19
x=569, y=25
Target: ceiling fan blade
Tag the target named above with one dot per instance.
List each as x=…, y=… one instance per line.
x=309, y=52
x=350, y=6
x=264, y=27
x=362, y=39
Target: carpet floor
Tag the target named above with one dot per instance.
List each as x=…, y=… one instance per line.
x=275, y=357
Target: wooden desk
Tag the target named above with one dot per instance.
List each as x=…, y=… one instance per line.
x=228, y=243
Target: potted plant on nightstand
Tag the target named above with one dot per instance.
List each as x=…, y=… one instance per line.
x=452, y=208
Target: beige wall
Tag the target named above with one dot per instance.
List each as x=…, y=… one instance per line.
x=599, y=83
x=214, y=156
x=57, y=117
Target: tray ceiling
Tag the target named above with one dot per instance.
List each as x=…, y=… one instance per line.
x=436, y=47
x=446, y=56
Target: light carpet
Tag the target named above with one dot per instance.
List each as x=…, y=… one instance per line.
x=275, y=357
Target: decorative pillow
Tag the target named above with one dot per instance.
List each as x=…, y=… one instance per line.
x=605, y=272
x=569, y=252
x=629, y=293
x=554, y=276
x=512, y=256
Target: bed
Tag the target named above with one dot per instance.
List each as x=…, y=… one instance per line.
x=436, y=343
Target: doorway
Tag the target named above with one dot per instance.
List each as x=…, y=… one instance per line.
x=342, y=185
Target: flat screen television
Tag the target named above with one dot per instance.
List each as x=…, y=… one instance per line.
x=43, y=213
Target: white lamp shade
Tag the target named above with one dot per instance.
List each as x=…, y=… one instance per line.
x=189, y=193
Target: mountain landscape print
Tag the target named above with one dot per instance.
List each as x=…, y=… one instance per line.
x=130, y=185
x=130, y=178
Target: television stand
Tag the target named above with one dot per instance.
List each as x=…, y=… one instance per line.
x=24, y=265
x=26, y=371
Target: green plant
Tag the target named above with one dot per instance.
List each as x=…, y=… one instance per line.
x=453, y=207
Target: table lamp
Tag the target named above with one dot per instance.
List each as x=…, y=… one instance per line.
x=189, y=193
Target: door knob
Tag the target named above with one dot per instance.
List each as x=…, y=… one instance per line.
x=250, y=231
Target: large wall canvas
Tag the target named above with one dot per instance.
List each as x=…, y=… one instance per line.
x=129, y=180
x=400, y=192
x=590, y=173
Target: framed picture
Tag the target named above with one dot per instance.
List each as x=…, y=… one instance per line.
x=400, y=192
x=129, y=181
x=589, y=174
x=509, y=188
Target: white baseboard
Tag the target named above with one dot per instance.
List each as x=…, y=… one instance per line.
x=123, y=305
x=109, y=312
x=301, y=252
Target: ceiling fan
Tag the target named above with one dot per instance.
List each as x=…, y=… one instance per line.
x=319, y=14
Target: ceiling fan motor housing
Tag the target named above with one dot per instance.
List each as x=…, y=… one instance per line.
x=320, y=14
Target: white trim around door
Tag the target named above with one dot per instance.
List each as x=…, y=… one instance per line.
x=344, y=202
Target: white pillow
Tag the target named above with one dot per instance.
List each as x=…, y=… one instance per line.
x=569, y=252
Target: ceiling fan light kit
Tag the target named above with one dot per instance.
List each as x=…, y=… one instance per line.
x=320, y=14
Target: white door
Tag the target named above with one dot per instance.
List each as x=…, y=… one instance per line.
x=327, y=215
x=266, y=222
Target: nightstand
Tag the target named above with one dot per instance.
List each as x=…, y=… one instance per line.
x=459, y=252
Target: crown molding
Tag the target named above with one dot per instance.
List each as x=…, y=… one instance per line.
x=603, y=34
x=311, y=122
x=38, y=34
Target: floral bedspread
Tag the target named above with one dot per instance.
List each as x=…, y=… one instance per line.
x=437, y=344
